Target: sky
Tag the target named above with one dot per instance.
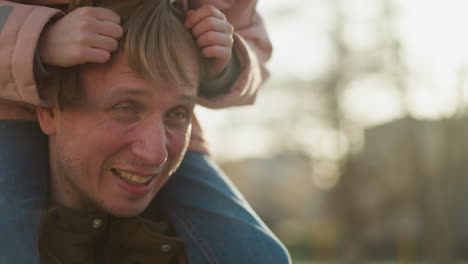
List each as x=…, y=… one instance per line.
x=436, y=51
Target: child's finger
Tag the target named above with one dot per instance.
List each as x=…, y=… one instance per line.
x=110, y=29
x=95, y=55
x=201, y=13
x=217, y=52
x=215, y=39
x=100, y=13
x=212, y=24
x=104, y=43
x=104, y=14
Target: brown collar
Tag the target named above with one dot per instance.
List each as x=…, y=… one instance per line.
x=70, y=236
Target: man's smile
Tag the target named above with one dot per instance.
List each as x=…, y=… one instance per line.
x=133, y=178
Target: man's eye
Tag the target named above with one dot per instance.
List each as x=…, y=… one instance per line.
x=125, y=112
x=179, y=115
x=127, y=108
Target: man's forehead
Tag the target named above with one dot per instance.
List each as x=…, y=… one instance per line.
x=118, y=77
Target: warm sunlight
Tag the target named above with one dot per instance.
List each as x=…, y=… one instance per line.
x=434, y=49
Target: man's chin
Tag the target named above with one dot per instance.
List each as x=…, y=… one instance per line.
x=124, y=211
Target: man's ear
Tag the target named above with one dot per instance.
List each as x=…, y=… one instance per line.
x=47, y=117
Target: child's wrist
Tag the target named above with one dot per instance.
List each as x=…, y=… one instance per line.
x=221, y=82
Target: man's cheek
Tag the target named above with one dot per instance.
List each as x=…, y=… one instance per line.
x=178, y=136
x=177, y=144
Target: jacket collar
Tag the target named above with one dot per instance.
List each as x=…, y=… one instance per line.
x=95, y=237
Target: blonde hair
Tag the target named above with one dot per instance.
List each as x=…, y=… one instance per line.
x=154, y=36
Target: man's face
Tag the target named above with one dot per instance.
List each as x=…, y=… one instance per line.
x=117, y=146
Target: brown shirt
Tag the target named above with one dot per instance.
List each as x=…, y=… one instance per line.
x=69, y=236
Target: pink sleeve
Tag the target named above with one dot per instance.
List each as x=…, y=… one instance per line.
x=252, y=46
x=19, y=35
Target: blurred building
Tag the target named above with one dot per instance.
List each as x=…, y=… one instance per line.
x=403, y=194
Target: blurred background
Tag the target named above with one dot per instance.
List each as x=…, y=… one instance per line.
x=356, y=149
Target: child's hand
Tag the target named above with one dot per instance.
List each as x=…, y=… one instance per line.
x=213, y=35
x=87, y=34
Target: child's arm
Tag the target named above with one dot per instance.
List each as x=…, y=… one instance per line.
x=28, y=35
x=246, y=70
x=20, y=30
x=213, y=34
x=214, y=37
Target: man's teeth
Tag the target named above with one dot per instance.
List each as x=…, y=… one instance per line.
x=132, y=178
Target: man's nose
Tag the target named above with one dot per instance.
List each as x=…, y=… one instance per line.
x=150, y=144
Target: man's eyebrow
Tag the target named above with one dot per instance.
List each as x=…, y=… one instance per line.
x=127, y=91
x=190, y=98
x=123, y=91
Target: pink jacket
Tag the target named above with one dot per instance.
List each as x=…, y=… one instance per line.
x=21, y=26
